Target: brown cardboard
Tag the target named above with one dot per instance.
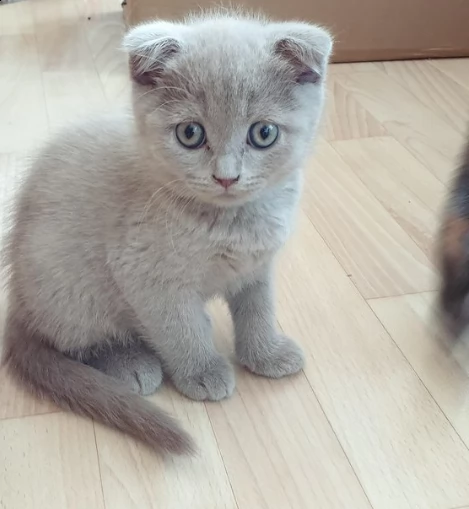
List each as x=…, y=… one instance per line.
x=364, y=29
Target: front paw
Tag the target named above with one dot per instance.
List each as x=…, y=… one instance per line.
x=278, y=358
x=216, y=381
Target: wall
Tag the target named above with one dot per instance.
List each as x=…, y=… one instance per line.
x=364, y=29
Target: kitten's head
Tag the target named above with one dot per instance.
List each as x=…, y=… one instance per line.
x=227, y=106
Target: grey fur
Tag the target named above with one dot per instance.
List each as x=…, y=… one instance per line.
x=134, y=364
x=122, y=233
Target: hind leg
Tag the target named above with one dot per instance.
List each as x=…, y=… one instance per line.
x=133, y=363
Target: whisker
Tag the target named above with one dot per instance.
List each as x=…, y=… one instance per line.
x=178, y=218
x=152, y=198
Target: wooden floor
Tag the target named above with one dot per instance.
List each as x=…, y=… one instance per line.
x=380, y=417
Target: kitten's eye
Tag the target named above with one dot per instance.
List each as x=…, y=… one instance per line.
x=190, y=135
x=262, y=135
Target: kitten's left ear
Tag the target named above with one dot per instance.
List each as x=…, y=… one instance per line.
x=305, y=47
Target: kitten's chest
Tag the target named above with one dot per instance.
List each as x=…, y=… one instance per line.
x=229, y=260
x=211, y=248
x=240, y=244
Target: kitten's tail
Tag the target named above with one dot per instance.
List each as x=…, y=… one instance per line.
x=86, y=391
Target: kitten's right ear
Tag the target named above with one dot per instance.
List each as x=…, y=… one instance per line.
x=305, y=47
x=150, y=46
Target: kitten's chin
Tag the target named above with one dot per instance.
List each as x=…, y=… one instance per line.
x=233, y=201
x=227, y=200
x=231, y=198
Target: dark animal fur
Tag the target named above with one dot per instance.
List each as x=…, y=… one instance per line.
x=454, y=251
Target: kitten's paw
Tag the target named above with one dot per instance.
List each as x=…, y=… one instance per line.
x=216, y=382
x=282, y=357
x=135, y=365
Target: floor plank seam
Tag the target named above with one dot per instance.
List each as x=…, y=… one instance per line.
x=28, y=416
x=379, y=201
x=221, y=457
x=448, y=420
x=98, y=458
x=384, y=297
x=447, y=74
x=327, y=244
x=349, y=461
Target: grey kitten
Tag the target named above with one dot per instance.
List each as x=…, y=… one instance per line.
x=127, y=225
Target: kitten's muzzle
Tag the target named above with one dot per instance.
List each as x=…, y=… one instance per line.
x=226, y=183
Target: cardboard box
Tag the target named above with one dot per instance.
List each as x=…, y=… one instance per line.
x=365, y=30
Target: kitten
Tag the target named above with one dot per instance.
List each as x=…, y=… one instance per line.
x=454, y=252
x=127, y=225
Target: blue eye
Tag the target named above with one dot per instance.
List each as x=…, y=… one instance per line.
x=262, y=135
x=190, y=135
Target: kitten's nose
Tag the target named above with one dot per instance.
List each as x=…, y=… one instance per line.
x=226, y=183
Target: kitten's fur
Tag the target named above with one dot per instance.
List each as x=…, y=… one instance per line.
x=121, y=235
x=454, y=252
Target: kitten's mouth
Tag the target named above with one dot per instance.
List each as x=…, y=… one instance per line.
x=226, y=197
x=230, y=197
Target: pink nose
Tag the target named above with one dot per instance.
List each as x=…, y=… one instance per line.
x=226, y=183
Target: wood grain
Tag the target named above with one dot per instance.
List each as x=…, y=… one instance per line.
x=49, y=461
x=104, y=32
x=455, y=68
x=447, y=98
x=72, y=86
x=397, y=439
x=405, y=188
x=432, y=140
x=442, y=366
x=21, y=94
x=85, y=89
x=355, y=67
x=274, y=439
x=379, y=256
x=345, y=118
x=17, y=20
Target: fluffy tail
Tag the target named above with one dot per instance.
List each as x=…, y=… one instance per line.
x=86, y=391
x=454, y=251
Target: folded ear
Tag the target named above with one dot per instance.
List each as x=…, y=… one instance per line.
x=150, y=46
x=305, y=47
